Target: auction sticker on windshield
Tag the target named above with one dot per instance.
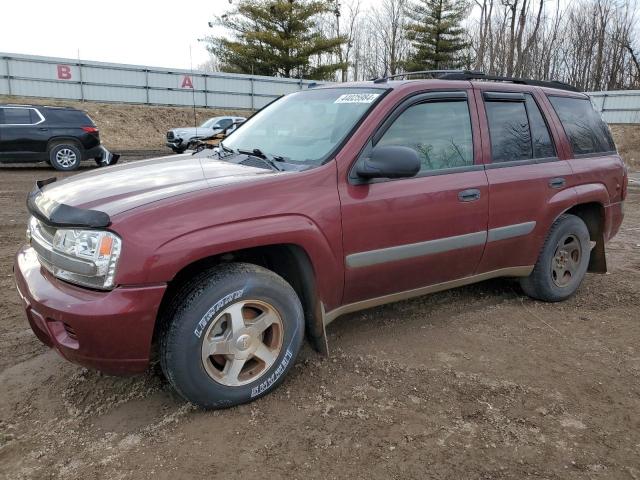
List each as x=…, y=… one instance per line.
x=357, y=98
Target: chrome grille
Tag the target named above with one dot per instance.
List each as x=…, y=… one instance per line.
x=46, y=232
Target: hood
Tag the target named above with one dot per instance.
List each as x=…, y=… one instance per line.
x=122, y=187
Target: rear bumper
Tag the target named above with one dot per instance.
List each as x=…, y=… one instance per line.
x=94, y=152
x=108, y=331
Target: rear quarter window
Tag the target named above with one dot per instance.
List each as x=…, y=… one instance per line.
x=584, y=127
x=69, y=117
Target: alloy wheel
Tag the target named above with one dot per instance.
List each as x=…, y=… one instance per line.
x=65, y=157
x=242, y=342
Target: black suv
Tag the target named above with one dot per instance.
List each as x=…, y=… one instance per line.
x=62, y=136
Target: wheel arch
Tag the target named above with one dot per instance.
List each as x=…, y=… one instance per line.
x=62, y=140
x=290, y=261
x=592, y=213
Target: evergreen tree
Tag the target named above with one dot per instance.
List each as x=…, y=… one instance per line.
x=277, y=38
x=436, y=34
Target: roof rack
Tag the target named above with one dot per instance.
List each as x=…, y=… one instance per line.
x=433, y=73
x=477, y=75
x=468, y=75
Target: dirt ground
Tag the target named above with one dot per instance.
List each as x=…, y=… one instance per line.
x=475, y=383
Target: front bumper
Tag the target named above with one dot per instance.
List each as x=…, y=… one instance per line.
x=109, y=331
x=176, y=143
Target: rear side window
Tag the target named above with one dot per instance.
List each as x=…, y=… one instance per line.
x=439, y=131
x=509, y=131
x=586, y=130
x=16, y=116
x=542, y=144
x=518, y=130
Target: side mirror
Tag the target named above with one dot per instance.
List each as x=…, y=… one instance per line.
x=390, y=162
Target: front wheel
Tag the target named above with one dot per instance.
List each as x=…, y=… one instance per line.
x=231, y=335
x=563, y=262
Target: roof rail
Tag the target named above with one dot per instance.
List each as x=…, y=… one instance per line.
x=433, y=73
x=468, y=75
x=477, y=75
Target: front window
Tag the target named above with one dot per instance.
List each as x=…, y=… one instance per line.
x=306, y=126
x=440, y=132
x=210, y=123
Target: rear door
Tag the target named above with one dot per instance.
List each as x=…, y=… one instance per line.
x=527, y=179
x=404, y=234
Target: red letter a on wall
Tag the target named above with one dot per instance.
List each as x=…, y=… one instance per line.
x=186, y=82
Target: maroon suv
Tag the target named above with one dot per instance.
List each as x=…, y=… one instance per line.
x=328, y=201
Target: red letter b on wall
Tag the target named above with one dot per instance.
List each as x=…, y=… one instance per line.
x=64, y=72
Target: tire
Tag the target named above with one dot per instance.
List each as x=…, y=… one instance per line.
x=65, y=157
x=223, y=310
x=178, y=150
x=563, y=262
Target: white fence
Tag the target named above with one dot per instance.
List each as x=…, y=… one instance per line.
x=620, y=106
x=64, y=78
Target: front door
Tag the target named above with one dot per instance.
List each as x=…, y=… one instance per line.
x=404, y=234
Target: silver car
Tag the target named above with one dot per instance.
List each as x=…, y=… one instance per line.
x=178, y=139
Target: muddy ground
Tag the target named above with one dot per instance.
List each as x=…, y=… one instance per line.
x=475, y=383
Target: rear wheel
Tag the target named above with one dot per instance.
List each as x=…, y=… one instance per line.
x=563, y=261
x=231, y=335
x=65, y=157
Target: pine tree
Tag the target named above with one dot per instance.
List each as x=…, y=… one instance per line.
x=277, y=38
x=436, y=34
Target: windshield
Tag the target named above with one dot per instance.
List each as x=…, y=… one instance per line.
x=304, y=126
x=209, y=123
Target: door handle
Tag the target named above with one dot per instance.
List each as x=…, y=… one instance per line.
x=43, y=129
x=469, y=195
x=557, y=182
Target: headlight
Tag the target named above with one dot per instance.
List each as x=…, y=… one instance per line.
x=83, y=257
x=98, y=249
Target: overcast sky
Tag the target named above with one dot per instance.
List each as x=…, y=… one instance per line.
x=143, y=32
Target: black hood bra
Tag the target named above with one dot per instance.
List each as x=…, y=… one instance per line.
x=60, y=215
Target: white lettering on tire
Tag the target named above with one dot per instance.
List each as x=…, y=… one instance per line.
x=227, y=299
x=258, y=389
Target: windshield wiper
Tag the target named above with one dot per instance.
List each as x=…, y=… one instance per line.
x=225, y=149
x=270, y=159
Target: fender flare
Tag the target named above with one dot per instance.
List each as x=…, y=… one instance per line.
x=174, y=255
